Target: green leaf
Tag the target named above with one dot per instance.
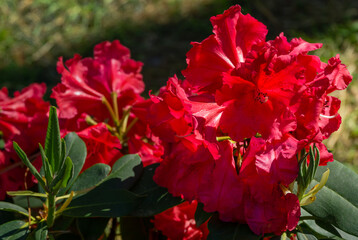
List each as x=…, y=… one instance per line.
x=27, y=162
x=229, y=231
x=26, y=193
x=63, y=175
x=25, y=201
x=157, y=199
x=53, y=141
x=200, y=215
x=323, y=229
x=337, y=202
x=14, y=230
x=6, y=206
x=305, y=236
x=91, y=177
x=47, y=170
x=40, y=233
x=123, y=167
x=103, y=202
x=76, y=150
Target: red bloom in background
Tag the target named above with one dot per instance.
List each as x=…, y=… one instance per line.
x=179, y=223
x=86, y=82
x=22, y=119
x=106, y=89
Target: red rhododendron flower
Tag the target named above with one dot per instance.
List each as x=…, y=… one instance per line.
x=87, y=82
x=179, y=223
x=102, y=146
x=105, y=89
x=234, y=127
x=22, y=119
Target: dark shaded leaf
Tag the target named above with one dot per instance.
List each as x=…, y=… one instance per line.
x=200, y=215
x=157, y=199
x=103, y=202
x=40, y=233
x=91, y=228
x=14, y=230
x=6, y=206
x=229, y=231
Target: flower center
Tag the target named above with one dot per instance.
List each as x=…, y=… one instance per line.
x=260, y=96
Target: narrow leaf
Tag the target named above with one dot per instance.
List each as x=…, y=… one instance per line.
x=27, y=162
x=63, y=175
x=46, y=166
x=26, y=193
x=14, y=230
x=103, y=203
x=200, y=215
x=6, y=206
x=229, y=231
x=53, y=141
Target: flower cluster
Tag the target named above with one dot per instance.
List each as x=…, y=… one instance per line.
x=21, y=118
x=99, y=99
x=233, y=129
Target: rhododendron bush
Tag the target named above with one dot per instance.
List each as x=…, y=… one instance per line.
x=234, y=150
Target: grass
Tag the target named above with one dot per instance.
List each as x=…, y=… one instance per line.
x=34, y=33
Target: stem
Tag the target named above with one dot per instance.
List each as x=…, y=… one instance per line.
x=110, y=109
x=115, y=105
x=222, y=138
x=51, y=206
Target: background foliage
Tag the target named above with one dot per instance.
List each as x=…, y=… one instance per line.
x=34, y=33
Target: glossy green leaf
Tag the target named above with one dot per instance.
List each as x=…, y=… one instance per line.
x=77, y=151
x=14, y=230
x=337, y=202
x=200, y=215
x=53, y=141
x=123, y=167
x=103, y=202
x=157, y=199
x=91, y=177
x=47, y=169
x=229, y=231
x=323, y=229
x=6, y=206
x=40, y=233
x=28, y=164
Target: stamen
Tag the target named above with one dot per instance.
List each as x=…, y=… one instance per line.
x=329, y=117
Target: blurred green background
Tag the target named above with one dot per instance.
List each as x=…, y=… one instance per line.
x=34, y=33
